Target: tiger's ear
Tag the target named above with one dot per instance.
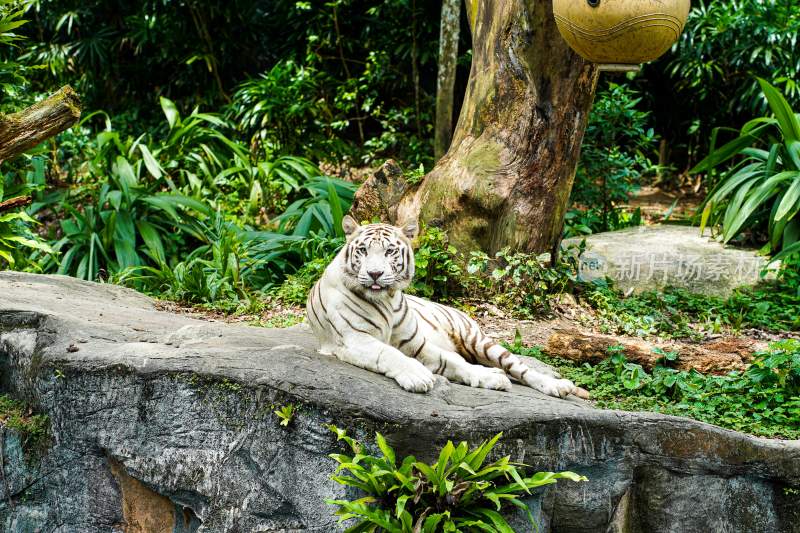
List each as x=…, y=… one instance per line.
x=410, y=229
x=349, y=225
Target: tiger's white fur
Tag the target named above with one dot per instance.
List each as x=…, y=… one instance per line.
x=359, y=313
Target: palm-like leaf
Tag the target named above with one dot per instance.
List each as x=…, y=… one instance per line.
x=763, y=184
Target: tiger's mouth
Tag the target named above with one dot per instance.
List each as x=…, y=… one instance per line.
x=375, y=287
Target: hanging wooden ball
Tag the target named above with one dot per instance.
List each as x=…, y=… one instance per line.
x=620, y=32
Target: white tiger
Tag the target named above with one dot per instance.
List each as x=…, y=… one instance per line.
x=359, y=313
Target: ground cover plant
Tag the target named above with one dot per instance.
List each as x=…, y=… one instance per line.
x=32, y=428
x=677, y=313
x=461, y=491
x=763, y=400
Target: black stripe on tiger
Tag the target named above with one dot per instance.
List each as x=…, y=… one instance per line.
x=360, y=315
x=402, y=318
x=353, y=327
x=419, y=350
x=319, y=297
x=423, y=317
x=411, y=338
x=373, y=304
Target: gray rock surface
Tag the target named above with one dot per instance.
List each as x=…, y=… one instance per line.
x=164, y=423
x=653, y=257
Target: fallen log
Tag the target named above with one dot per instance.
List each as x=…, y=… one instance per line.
x=13, y=203
x=23, y=130
x=716, y=357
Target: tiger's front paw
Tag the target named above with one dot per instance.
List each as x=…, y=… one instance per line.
x=414, y=377
x=488, y=378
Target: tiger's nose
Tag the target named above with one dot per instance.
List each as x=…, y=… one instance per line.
x=375, y=274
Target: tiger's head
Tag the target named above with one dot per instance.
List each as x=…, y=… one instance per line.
x=378, y=258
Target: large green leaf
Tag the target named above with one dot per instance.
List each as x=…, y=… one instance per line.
x=170, y=111
x=755, y=200
x=789, y=203
x=125, y=240
x=789, y=124
x=152, y=239
x=728, y=150
x=153, y=167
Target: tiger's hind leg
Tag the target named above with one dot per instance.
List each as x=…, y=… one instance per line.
x=534, y=374
x=453, y=366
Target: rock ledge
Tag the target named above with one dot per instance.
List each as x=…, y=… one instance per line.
x=164, y=423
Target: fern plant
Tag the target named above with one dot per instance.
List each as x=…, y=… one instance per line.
x=762, y=185
x=460, y=491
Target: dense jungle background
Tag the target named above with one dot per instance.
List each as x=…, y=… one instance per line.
x=221, y=143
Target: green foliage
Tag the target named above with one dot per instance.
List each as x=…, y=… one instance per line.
x=321, y=211
x=760, y=188
x=144, y=214
x=286, y=413
x=348, y=79
x=281, y=109
x=460, y=491
x=763, y=400
x=294, y=290
x=12, y=73
x=216, y=272
x=725, y=45
x=677, y=313
x=437, y=266
x=520, y=282
x=613, y=160
x=33, y=429
x=16, y=236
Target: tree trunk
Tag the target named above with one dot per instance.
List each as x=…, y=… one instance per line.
x=506, y=178
x=445, y=82
x=24, y=130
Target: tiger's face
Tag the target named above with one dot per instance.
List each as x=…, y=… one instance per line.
x=378, y=258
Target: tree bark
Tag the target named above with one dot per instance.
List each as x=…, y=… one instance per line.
x=716, y=357
x=13, y=203
x=506, y=178
x=448, y=58
x=24, y=130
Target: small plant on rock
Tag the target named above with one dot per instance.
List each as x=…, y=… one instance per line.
x=285, y=413
x=459, y=492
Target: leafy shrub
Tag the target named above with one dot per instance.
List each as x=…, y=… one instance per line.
x=760, y=189
x=725, y=45
x=437, y=265
x=126, y=225
x=17, y=238
x=283, y=110
x=460, y=490
x=520, y=282
x=217, y=272
x=677, y=313
x=613, y=156
x=12, y=73
x=762, y=400
x=321, y=210
x=294, y=290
